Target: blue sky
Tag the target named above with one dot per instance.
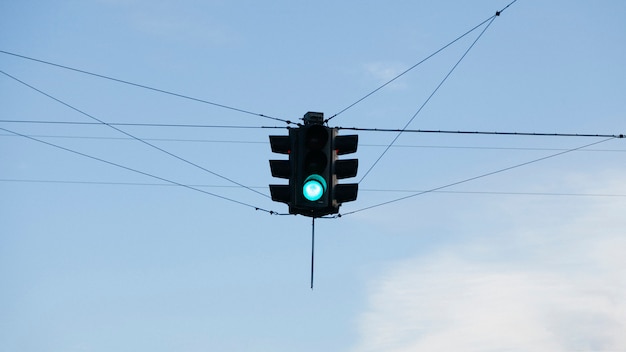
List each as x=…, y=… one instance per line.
x=95, y=257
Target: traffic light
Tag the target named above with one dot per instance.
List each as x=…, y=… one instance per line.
x=313, y=168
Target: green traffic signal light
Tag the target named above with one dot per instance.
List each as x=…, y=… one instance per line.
x=314, y=187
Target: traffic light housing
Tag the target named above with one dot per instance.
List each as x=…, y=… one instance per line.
x=282, y=168
x=313, y=168
x=344, y=168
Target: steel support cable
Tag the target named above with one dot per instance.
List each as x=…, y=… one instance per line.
x=475, y=177
x=345, y=128
x=420, y=62
x=132, y=136
x=537, y=134
x=141, y=172
x=158, y=90
x=428, y=99
x=177, y=140
x=364, y=129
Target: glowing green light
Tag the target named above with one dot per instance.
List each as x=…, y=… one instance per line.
x=314, y=187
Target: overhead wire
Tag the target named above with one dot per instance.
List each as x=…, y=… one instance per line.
x=289, y=122
x=393, y=141
x=141, y=172
x=536, y=134
x=143, y=86
x=405, y=71
x=362, y=129
x=140, y=124
x=475, y=177
x=232, y=141
x=132, y=136
x=419, y=63
x=377, y=190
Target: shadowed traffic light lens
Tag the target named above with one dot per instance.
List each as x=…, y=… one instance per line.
x=314, y=187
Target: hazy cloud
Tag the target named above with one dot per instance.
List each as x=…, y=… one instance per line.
x=563, y=295
x=385, y=71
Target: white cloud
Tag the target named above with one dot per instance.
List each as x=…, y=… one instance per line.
x=383, y=72
x=557, y=295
